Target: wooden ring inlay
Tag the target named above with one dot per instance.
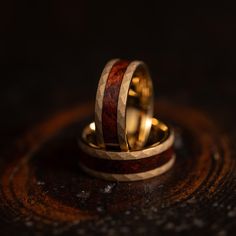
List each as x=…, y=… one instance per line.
x=127, y=166
x=110, y=102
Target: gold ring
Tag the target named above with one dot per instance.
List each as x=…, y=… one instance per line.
x=155, y=159
x=124, y=105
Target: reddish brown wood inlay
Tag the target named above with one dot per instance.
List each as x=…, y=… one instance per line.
x=127, y=166
x=110, y=102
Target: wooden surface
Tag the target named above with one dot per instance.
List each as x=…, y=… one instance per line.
x=43, y=190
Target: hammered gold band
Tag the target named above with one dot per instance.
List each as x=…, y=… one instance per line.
x=156, y=158
x=124, y=105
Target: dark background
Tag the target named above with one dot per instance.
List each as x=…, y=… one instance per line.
x=52, y=53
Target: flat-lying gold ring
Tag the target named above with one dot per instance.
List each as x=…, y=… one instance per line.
x=124, y=105
x=159, y=145
x=155, y=159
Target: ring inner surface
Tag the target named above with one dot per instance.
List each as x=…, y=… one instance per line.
x=139, y=109
x=158, y=134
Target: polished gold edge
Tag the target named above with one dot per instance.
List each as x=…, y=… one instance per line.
x=131, y=177
x=129, y=155
x=99, y=101
x=122, y=104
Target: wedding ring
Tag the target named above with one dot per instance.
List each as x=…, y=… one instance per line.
x=153, y=160
x=124, y=106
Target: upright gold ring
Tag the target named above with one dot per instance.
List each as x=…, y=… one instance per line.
x=124, y=105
